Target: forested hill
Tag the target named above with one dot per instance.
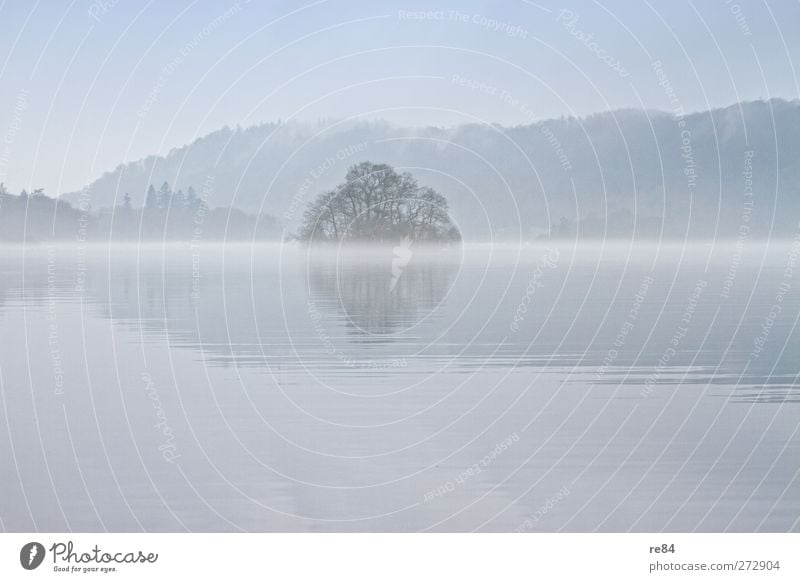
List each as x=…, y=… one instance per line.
x=608, y=173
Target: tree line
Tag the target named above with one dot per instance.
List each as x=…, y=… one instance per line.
x=166, y=215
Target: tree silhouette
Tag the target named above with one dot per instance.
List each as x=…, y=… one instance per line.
x=164, y=196
x=152, y=198
x=377, y=203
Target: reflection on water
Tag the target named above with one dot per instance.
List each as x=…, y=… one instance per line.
x=272, y=388
x=382, y=292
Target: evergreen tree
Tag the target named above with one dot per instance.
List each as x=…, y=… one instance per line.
x=152, y=198
x=165, y=196
x=191, y=200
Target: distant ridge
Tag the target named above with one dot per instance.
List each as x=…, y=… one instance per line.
x=665, y=176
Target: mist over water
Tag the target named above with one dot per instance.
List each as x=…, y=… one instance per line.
x=544, y=387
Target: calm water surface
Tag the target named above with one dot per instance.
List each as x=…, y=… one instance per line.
x=534, y=388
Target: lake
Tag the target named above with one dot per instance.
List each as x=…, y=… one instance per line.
x=542, y=387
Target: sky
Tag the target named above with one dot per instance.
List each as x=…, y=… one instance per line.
x=86, y=85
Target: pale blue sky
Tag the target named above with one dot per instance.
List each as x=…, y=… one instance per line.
x=89, y=85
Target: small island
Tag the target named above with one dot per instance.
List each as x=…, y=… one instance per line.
x=378, y=204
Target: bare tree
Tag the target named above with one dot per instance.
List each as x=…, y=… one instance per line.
x=377, y=203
